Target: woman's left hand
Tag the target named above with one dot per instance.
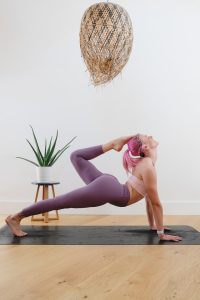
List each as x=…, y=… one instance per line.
x=155, y=228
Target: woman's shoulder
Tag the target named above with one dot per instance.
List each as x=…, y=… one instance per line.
x=141, y=168
x=146, y=163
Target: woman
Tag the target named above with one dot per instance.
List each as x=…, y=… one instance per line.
x=139, y=160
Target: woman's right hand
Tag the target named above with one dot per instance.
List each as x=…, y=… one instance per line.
x=169, y=237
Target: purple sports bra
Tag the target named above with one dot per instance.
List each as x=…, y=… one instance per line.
x=137, y=184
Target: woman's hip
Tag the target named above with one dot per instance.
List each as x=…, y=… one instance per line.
x=108, y=186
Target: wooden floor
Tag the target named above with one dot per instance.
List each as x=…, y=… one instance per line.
x=154, y=272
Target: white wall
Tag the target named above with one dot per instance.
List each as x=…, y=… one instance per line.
x=43, y=83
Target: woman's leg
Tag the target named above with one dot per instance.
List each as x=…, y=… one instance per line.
x=85, y=169
x=105, y=189
x=80, y=158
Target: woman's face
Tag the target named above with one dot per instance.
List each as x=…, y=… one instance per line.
x=148, y=140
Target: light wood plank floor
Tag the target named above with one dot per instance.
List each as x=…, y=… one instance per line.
x=152, y=272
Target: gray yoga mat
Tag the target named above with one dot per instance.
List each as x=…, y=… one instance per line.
x=97, y=235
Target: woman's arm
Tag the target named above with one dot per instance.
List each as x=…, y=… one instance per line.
x=150, y=180
x=150, y=215
x=157, y=209
x=149, y=211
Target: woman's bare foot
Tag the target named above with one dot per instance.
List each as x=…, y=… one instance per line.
x=120, y=142
x=13, y=223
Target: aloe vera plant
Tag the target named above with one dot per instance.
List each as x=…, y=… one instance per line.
x=50, y=155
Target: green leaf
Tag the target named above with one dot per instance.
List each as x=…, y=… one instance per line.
x=55, y=159
x=45, y=150
x=38, y=148
x=52, y=158
x=53, y=147
x=49, y=147
x=36, y=154
x=69, y=142
x=47, y=153
x=28, y=161
x=49, y=157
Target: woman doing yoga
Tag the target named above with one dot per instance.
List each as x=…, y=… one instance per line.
x=138, y=160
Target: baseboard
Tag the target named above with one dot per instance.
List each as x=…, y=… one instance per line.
x=139, y=208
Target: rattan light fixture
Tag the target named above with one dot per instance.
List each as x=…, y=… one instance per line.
x=106, y=39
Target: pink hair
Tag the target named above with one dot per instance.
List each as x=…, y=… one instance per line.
x=135, y=148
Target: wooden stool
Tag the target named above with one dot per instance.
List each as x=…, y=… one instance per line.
x=45, y=195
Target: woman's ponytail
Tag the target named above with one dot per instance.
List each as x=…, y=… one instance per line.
x=133, y=154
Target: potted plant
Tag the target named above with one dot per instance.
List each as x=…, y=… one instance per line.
x=46, y=159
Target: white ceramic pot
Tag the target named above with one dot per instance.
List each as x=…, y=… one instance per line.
x=43, y=174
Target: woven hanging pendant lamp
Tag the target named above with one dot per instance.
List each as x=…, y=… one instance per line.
x=106, y=39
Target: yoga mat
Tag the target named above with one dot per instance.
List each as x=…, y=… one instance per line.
x=97, y=235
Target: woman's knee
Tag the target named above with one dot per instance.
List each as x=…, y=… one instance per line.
x=73, y=156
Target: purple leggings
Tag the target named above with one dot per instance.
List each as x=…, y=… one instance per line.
x=100, y=188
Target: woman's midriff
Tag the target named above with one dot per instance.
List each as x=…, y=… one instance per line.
x=134, y=195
